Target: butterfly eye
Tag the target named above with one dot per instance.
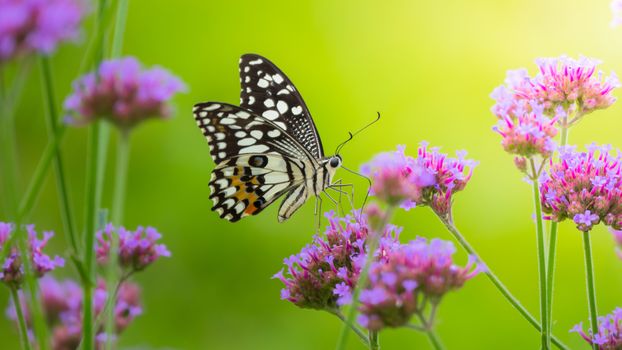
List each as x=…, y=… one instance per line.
x=334, y=162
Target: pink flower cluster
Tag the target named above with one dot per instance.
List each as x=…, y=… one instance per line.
x=585, y=187
x=323, y=275
x=609, y=335
x=28, y=26
x=12, y=271
x=62, y=306
x=123, y=92
x=137, y=249
x=397, y=282
x=562, y=92
x=617, y=235
x=431, y=179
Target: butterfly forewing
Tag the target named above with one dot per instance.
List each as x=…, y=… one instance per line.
x=269, y=93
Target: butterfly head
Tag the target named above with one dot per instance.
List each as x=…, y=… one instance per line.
x=334, y=162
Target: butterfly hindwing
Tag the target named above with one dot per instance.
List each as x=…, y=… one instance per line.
x=268, y=92
x=246, y=184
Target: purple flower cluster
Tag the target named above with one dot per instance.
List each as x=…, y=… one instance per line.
x=62, y=306
x=585, y=187
x=123, y=92
x=562, y=86
x=617, y=235
x=527, y=133
x=28, y=26
x=408, y=273
x=12, y=272
x=323, y=275
x=609, y=335
x=430, y=179
x=137, y=249
x=562, y=92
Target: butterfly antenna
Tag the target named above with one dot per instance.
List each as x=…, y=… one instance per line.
x=351, y=135
x=368, y=187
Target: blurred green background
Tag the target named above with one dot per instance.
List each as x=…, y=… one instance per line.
x=429, y=67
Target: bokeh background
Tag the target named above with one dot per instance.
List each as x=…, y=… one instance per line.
x=429, y=67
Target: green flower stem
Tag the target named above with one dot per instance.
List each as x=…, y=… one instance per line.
x=372, y=245
x=36, y=182
x=98, y=136
x=61, y=182
x=591, y=289
x=427, y=328
x=546, y=336
x=362, y=337
x=373, y=340
x=550, y=274
x=23, y=328
x=9, y=165
x=495, y=280
x=120, y=177
x=119, y=28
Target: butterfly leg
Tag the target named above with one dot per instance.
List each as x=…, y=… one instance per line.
x=339, y=187
x=318, y=213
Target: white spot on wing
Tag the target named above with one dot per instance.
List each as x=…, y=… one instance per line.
x=240, y=134
x=257, y=134
x=222, y=154
x=227, y=121
x=277, y=78
x=251, y=100
x=270, y=114
x=254, y=149
x=281, y=106
x=203, y=114
x=297, y=110
x=269, y=103
x=246, y=142
x=263, y=83
x=212, y=107
x=255, y=62
x=274, y=133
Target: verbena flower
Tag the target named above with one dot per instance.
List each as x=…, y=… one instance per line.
x=585, y=187
x=12, y=272
x=609, y=333
x=323, y=275
x=527, y=134
x=137, y=249
x=62, y=306
x=121, y=91
x=563, y=86
x=37, y=26
x=431, y=179
x=616, y=9
x=413, y=272
x=617, y=235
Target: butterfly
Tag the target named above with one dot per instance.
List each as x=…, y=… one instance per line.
x=266, y=148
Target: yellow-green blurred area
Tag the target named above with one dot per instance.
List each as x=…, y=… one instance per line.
x=428, y=67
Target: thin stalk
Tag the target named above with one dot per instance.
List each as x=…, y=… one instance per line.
x=550, y=274
x=61, y=183
x=119, y=28
x=591, y=288
x=362, y=337
x=545, y=334
x=374, y=237
x=496, y=281
x=429, y=331
x=23, y=328
x=373, y=340
x=120, y=178
x=94, y=178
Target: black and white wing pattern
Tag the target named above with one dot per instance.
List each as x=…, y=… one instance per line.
x=256, y=161
x=269, y=93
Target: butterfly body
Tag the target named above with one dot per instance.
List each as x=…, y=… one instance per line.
x=266, y=148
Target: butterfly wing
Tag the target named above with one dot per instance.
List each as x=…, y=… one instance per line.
x=268, y=92
x=257, y=161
